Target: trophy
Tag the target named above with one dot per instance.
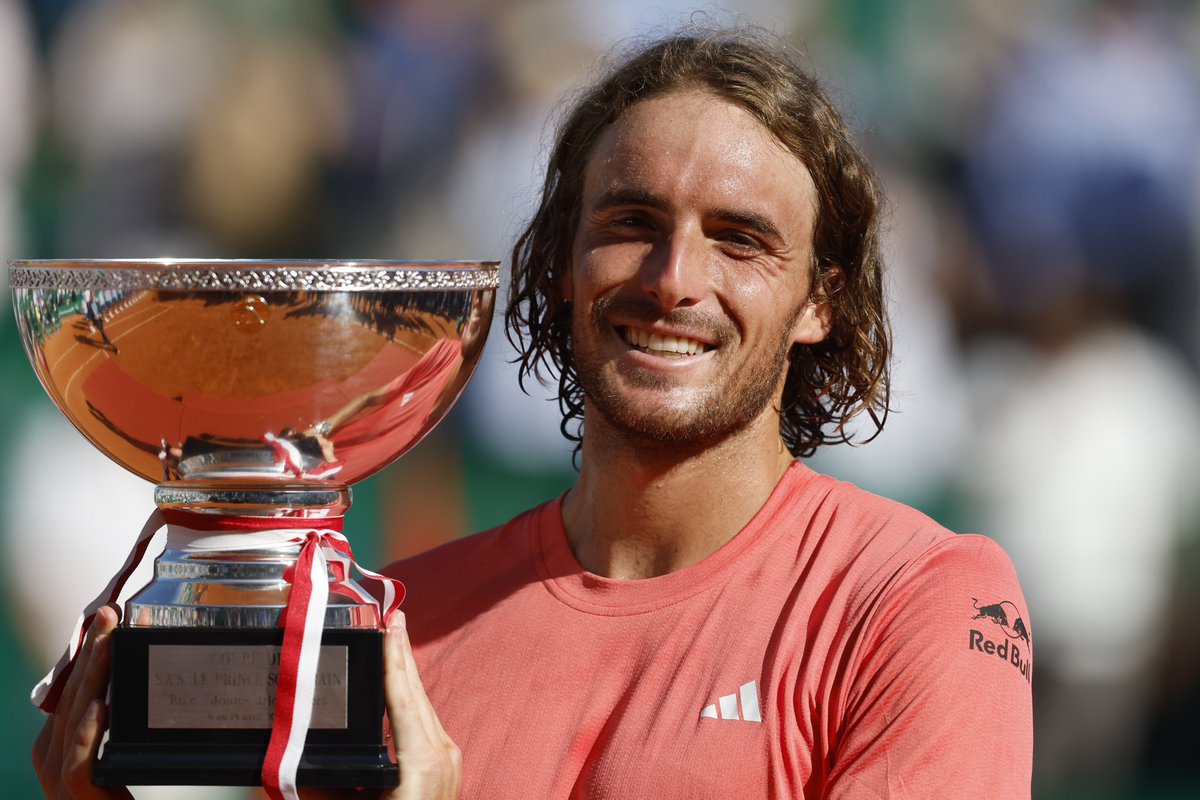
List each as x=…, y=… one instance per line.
x=253, y=393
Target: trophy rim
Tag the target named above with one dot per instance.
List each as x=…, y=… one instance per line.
x=249, y=274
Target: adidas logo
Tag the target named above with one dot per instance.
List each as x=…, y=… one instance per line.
x=727, y=705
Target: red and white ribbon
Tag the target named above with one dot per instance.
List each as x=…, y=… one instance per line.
x=45, y=695
x=303, y=622
x=303, y=618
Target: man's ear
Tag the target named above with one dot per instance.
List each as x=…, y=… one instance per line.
x=816, y=318
x=814, y=323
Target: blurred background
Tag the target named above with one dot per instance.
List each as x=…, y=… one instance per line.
x=1042, y=160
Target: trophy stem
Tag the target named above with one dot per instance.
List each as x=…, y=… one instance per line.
x=310, y=501
x=229, y=554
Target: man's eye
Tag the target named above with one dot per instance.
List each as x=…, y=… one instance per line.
x=742, y=241
x=629, y=226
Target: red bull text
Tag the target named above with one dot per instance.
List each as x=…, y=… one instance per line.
x=1005, y=649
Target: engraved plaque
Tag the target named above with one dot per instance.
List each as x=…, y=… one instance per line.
x=205, y=686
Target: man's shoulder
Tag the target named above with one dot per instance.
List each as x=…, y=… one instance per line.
x=886, y=548
x=892, y=526
x=866, y=524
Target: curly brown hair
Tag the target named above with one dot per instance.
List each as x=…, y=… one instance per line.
x=827, y=383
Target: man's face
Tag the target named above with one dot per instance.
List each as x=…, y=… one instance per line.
x=691, y=269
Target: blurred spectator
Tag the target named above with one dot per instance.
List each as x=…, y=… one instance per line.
x=1085, y=468
x=17, y=117
x=1084, y=175
x=259, y=147
x=486, y=196
x=1083, y=188
x=128, y=77
x=418, y=74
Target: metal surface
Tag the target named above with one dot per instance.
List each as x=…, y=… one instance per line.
x=300, y=500
x=235, y=589
x=236, y=373
x=190, y=275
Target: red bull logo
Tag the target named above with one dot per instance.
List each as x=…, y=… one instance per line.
x=1006, y=617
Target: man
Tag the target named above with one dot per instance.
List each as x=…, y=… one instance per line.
x=701, y=615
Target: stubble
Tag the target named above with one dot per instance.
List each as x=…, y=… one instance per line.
x=738, y=395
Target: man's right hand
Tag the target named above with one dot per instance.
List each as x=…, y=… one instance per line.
x=65, y=750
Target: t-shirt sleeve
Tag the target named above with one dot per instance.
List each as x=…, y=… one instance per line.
x=939, y=701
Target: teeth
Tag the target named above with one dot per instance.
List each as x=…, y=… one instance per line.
x=672, y=346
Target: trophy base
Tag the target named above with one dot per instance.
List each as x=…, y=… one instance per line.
x=199, y=765
x=193, y=706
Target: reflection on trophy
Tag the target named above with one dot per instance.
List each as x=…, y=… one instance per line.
x=253, y=393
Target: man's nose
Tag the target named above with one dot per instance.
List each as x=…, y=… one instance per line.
x=675, y=273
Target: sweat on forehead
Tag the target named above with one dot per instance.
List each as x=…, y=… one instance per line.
x=717, y=107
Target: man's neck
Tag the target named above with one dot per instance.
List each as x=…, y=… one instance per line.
x=638, y=511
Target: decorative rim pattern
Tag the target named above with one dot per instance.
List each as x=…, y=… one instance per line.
x=257, y=276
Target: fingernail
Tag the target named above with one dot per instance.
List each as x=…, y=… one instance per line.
x=396, y=620
x=92, y=713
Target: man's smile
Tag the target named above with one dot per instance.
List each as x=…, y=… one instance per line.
x=665, y=346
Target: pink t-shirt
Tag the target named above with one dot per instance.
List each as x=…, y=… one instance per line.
x=840, y=646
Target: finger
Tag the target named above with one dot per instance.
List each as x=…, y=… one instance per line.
x=401, y=705
x=430, y=763
x=414, y=722
x=93, y=674
x=428, y=715
x=66, y=718
x=80, y=750
x=81, y=754
x=41, y=747
x=425, y=715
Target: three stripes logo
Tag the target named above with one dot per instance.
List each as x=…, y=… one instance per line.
x=726, y=706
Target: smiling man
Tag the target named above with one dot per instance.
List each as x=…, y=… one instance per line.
x=701, y=615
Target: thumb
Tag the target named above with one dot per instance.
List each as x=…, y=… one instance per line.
x=430, y=763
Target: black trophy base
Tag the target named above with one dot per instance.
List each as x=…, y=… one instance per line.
x=192, y=706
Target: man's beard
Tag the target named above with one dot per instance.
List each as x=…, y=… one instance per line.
x=728, y=405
